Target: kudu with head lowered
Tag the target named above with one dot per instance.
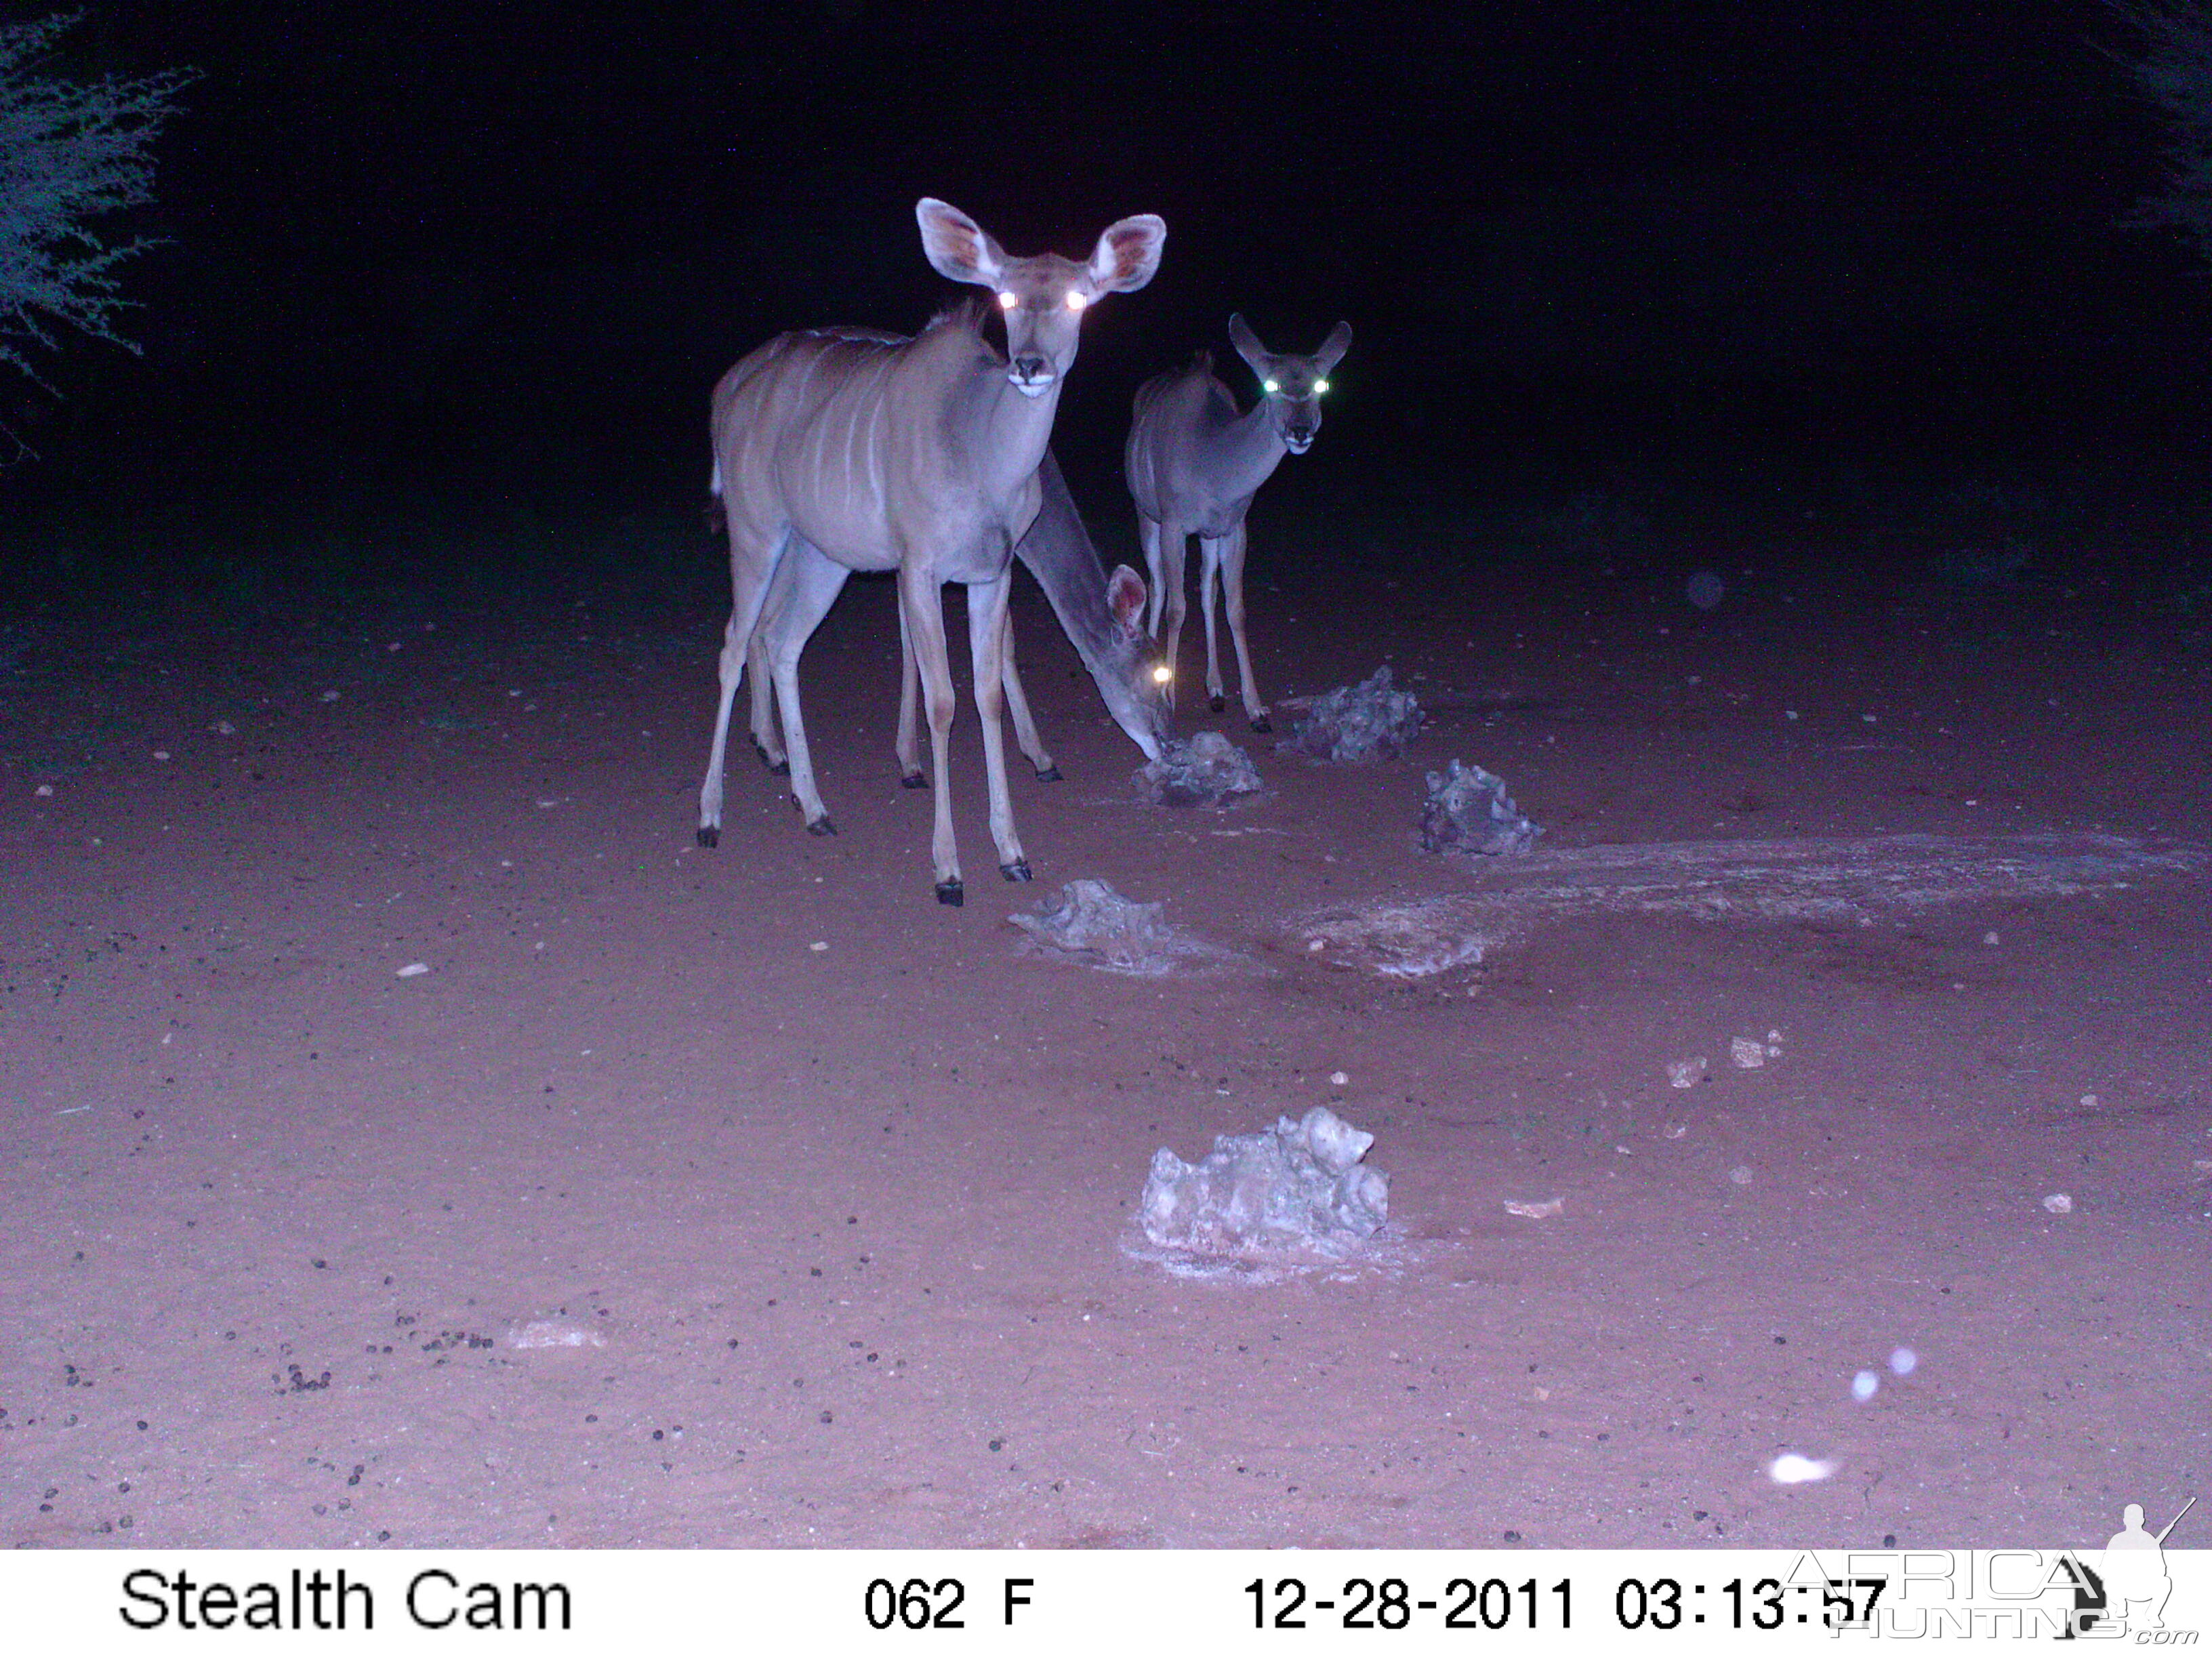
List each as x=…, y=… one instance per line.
x=1193, y=464
x=1103, y=615
x=918, y=456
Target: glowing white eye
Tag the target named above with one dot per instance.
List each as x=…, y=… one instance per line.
x=1271, y=385
x=1320, y=386
x=1163, y=674
x=1076, y=302
x=1008, y=300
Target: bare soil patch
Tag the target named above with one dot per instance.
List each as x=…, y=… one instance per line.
x=749, y=1197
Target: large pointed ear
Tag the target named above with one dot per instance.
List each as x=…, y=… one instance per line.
x=1125, y=598
x=1333, y=348
x=1129, y=253
x=1247, y=346
x=959, y=247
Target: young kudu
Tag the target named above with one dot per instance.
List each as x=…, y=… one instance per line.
x=918, y=456
x=1104, y=618
x=1193, y=464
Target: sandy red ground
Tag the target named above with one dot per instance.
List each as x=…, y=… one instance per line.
x=839, y=1181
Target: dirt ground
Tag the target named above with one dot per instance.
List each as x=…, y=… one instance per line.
x=821, y=1192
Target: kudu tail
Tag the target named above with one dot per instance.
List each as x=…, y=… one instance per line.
x=717, y=514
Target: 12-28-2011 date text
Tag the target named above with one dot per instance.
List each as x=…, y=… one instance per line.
x=1391, y=1604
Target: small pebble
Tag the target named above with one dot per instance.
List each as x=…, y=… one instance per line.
x=1864, y=1387
x=1339, y=1079
x=2059, y=1204
x=44, y=789
x=556, y=1334
x=330, y=696
x=1792, y=1470
x=1740, y=1174
x=160, y=754
x=413, y=968
x=820, y=944
x=1903, y=1360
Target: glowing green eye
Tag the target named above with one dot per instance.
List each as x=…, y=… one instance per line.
x=1271, y=385
x=1320, y=386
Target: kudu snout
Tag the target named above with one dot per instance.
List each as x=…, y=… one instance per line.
x=1032, y=374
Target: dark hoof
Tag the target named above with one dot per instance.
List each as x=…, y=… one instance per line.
x=710, y=835
x=1218, y=704
x=1017, y=871
x=1049, y=775
x=1262, y=723
x=781, y=768
x=821, y=827
x=949, y=892
x=915, y=781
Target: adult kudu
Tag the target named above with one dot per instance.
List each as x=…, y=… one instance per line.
x=1103, y=617
x=918, y=456
x=1194, y=465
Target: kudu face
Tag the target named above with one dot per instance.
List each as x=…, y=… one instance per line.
x=1150, y=683
x=1291, y=385
x=1042, y=298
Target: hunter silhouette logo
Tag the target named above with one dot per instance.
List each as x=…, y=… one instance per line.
x=2127, y=1590
x=2136, y=1582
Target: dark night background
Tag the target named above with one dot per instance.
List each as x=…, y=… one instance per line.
x=1618, y=274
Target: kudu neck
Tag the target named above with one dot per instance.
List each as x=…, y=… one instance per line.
x=1245, y=450
x=1060, y=554
x=1006, y=432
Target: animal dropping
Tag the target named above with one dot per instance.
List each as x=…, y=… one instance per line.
x=1356, y=723
x=1468, y=811
x=1207, y=771
x=1301, y=1186
x=1092, y=924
